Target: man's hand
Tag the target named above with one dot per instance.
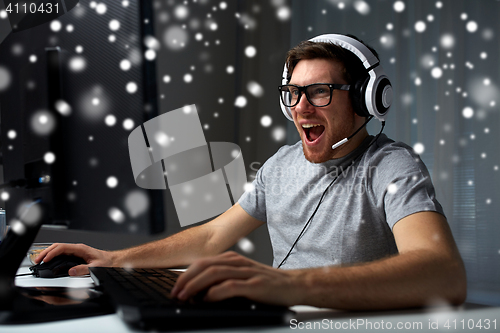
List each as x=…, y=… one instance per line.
x=230, y=274
x=93, y=257
x=177, y=250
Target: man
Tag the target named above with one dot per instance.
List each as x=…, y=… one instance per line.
x=355, y=227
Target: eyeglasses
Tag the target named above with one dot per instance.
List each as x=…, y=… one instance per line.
x=318, y=94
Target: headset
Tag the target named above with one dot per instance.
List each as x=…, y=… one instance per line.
x=371, y=96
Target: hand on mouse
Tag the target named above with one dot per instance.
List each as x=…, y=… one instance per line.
x=93, y=257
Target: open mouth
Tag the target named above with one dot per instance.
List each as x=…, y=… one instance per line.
x=313, y=131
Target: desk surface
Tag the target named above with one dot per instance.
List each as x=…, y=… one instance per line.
x=462, y=319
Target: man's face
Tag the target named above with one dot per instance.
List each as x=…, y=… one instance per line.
x=321, y=127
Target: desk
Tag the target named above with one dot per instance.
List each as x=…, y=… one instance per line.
x=419, y=320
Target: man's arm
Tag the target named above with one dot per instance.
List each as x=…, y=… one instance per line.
x=180, y=249
x=428, y=269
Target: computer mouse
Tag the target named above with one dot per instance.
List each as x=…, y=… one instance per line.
x=57, y=267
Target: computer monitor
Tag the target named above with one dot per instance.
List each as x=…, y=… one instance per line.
x=73, y=89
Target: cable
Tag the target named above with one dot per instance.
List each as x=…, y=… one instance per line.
x=359, y=129
x=324, y=192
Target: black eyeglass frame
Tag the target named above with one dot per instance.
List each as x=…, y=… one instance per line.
x=332, y=86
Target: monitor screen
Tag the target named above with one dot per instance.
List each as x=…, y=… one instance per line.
x=76, y=87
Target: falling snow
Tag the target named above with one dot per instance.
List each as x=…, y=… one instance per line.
x=418, y=148
x=112, y=182
x=63, y=108
x=250, y=51
x=436, y=72
x=188, y=78
x=101, y=8
x=471, y=26
x=128, y=124
x=125, y=64
x=131, y=87
x=362, y=7
x=136, y=203
x=12, y=134
x=114, y=25
x=49, y=157
x=43, y=122
x=77, y=64
x=392, y=188
x=468, y=112
x=420, y=26
x=399, y=6
x=447, y=41
x=240, y=101
x=278, y=133
x=266, y=121
x=116, y=215
x=110, y=120
x=246, y=245
x=55, y=25
x=150, y=55
x=255, y=89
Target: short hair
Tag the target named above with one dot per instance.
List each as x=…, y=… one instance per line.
x=353, y=70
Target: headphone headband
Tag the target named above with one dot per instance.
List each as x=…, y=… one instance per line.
x=359, y=49
x=374, y=95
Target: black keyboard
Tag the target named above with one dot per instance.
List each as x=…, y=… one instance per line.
x=146, y=285
x=141, y=297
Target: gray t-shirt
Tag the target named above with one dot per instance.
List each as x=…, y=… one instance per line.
x=354, y=221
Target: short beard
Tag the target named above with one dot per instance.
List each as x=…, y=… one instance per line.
x=326, y=156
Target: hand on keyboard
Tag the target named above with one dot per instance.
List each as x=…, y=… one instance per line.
x=231, y=275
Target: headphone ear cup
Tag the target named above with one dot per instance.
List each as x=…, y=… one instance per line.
x=357, y=94
x=284, y=80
